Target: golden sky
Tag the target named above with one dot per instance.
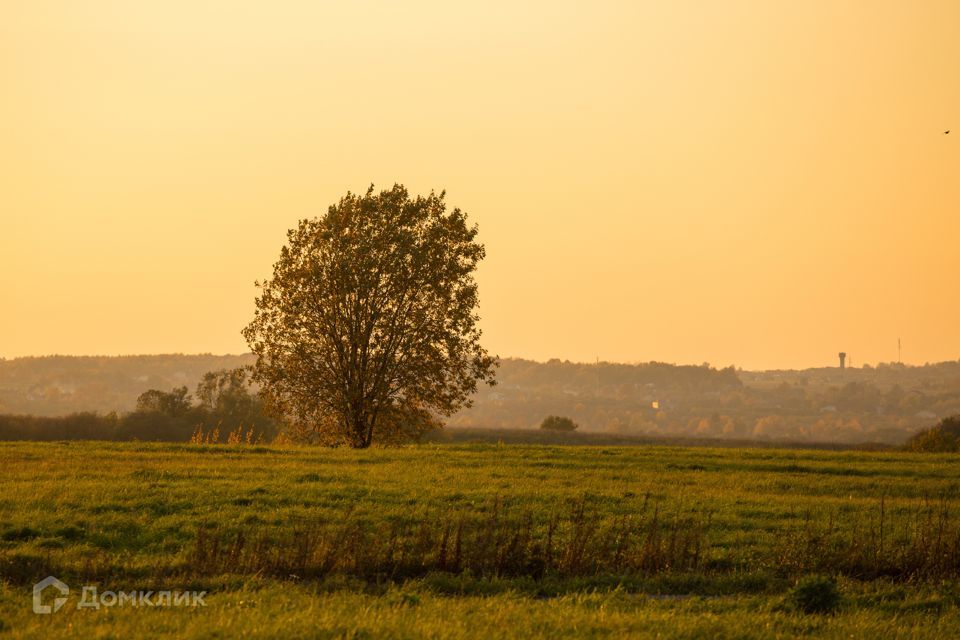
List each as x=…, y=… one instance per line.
x=747, y=182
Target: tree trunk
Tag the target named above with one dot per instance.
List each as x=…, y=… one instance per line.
x=360, y=429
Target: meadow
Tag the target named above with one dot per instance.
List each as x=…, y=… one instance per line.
x=480, y=540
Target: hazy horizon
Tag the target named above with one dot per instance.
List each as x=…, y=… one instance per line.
x=746, y=183
x=834, y=364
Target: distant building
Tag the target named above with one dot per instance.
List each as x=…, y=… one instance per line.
x=843, y=358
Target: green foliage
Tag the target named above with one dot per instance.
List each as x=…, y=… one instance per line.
x=368, y=328
x=816, y=594
x=558, y=423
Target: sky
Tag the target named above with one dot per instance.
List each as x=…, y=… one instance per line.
x=739, y=182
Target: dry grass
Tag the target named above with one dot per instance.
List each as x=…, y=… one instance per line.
x=574, y=543
x=916, y=543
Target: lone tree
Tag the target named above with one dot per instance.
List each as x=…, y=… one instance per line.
x=367, y=330
x=558, y=423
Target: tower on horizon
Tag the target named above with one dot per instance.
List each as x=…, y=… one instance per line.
x=843, y=358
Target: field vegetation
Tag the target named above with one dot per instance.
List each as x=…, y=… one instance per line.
x=484, y=540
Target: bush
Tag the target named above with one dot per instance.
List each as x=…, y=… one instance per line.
x=815, y=594
x=942, y=438
x=558, y=423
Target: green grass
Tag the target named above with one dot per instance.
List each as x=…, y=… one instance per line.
x=129, y=516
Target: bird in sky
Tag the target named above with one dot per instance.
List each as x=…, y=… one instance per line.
x=946, y=132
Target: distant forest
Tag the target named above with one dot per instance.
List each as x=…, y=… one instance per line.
x=884, y=404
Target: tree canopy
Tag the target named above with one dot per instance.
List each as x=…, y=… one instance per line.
x=368, y=328
x=558, y=423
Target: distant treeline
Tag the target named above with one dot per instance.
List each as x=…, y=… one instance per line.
x=61, y=385
x=223, y=408
x=606, y=378
x=96, y=426
x=883, y=404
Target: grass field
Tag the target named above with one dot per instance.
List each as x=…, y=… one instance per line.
x=479, y=540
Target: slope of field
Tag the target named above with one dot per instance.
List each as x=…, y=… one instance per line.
x=478, y=540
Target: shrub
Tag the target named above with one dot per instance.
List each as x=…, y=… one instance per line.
x=558, y=423
x=815, y=594
x=939, y=439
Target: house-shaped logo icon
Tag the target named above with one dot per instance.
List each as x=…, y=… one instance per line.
x=40, y=587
